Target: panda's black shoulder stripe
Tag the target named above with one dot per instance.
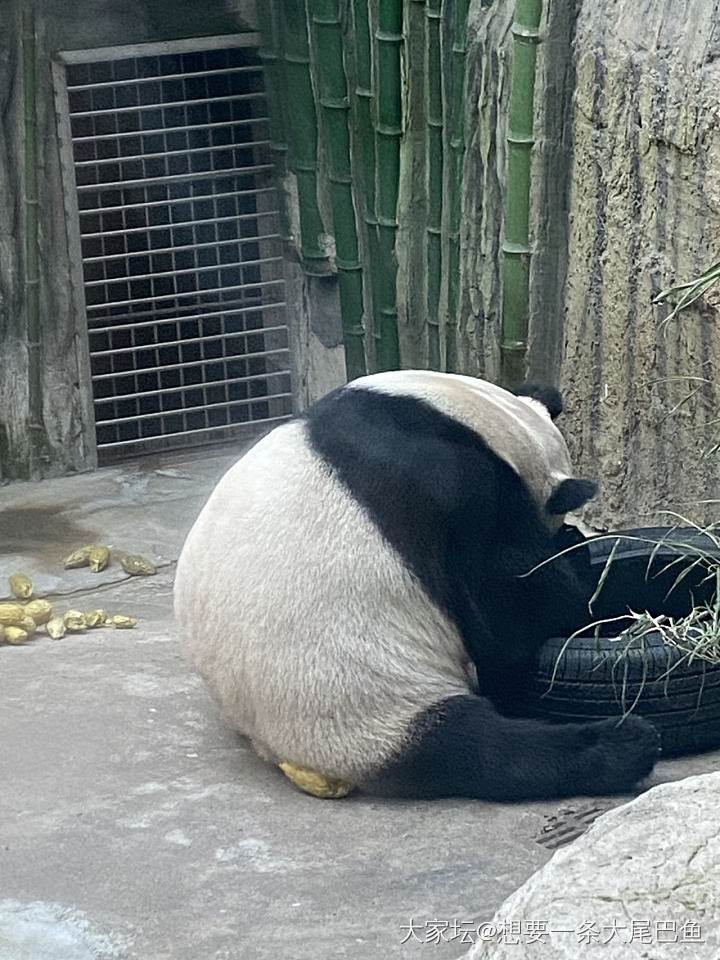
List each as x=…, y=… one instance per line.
x=457, y=513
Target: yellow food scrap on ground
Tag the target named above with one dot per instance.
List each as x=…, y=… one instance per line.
x=21, y=586
x=56, y=628
x=2, y=635
x=98, y=558
x=96, y=618
x=11, y=614
x=78, y=558
x=316, y=783
x=121, y=622
x=74, y=620
x=39, y=610
x=16, y=635
x=137, y=566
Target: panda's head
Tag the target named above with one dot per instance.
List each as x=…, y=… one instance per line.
x=518, y=428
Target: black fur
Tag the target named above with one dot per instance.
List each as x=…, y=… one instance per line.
x=548, y=396
x=569, y=495
x=461, y=518
x=463, y=747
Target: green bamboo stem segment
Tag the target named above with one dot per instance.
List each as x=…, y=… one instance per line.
x=358, y=56
x=388, y=131
x=457, y=154
x=516, y=247
x=332, y=96
x=30, y=203
x=302, y=129
x=273, y=68
x=434, y=167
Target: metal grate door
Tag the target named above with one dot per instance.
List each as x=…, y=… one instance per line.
x=181, y=259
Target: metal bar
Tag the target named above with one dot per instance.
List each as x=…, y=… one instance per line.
x=159, y=77
x=158, y=154
x=196, y=433
x=227, y=125
x=179, y=296
x=208, y=338
x=196, y=316
x=227, y=404
x=176, y=178
x=142, y=107
x=161, y=48
x=184, y=366
x=216, y=244
x=183, y=223
x=171, y=201
x=180, y=273
x=191, y=386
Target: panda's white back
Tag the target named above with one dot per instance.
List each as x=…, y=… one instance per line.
x=313, y=635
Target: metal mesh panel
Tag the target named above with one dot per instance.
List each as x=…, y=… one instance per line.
x=180, y=248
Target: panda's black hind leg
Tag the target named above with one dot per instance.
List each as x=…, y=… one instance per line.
x=464, y=747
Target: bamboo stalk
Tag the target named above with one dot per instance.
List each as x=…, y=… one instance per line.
x=275, y=85
x=516, y=247
x=388, y=130
x=331, y=87
x=302, y=129
x=434, y=166
x=358, y=55
x=457, y=155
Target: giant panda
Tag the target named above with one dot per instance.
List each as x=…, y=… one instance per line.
x=362, y=590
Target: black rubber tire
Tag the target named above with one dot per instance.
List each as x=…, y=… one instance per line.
x=590, y=678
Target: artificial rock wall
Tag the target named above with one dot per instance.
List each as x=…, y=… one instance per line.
x=625, y=201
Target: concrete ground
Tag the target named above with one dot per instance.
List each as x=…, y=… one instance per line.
x=135, y=825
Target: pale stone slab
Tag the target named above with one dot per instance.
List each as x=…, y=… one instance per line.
x=643, y=882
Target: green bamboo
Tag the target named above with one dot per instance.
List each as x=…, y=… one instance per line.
x=516, y=247
x=358, y=56
x=36, y=424
x=434, y=168
x=457, y=155
x=275, y=86
x=388, y=131
x=302, y=129
x=331, y=91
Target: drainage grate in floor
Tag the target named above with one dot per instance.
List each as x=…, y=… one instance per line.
x=181, y=256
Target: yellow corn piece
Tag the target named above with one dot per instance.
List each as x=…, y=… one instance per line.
x=74, y=620
x=21, y=586
x=137, y=566
x=122, y=623
x=16, y=635
x=39, y=610
x=56, y=628
x=98, y=558
x=78, y=558
x=95, y=618
x=316, y=783
x=11, y=614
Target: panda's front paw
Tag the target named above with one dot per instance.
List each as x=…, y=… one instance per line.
x=616, y=754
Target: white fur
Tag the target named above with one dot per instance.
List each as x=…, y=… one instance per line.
x=518, y=428
x=314, y=637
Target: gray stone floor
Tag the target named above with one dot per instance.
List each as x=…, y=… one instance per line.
x=134, y=824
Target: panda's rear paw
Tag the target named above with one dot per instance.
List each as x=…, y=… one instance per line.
x=618, y=754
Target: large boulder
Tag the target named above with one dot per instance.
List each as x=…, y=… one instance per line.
x=644, y=881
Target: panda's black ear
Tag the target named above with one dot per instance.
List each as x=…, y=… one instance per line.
x=548, y=396
x=569, y=495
